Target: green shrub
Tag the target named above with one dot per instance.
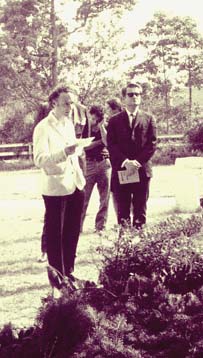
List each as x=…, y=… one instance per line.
x=149, y=302
x=167, y=155
x=195, y=137
x=64, y=325
x=163, y=250
x=19, y=343
x=165, y=319
x=61, y=327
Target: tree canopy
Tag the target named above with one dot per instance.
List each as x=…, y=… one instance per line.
x=174, y=49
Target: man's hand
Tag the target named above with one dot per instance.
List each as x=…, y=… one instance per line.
x=132, y=164
x=94, y=144
x=101, y=124
x=136, y=163
x=70, y=149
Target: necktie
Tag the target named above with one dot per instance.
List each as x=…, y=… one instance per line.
x=132, y=120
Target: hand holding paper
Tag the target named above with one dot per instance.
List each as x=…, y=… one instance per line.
x=130, y=165
x=78, y=145
x=128, y=176
x=84, y=142
x=70, y=149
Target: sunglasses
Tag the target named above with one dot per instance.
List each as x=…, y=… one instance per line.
x=131, y=94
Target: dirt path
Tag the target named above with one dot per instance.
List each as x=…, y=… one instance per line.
x=23, y=281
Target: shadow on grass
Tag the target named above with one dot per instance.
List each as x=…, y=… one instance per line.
x=16, y=165
x=23, y=240
x=23, y=289
x=30, y=269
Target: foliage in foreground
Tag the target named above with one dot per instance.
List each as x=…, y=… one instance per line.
x=60, y=327
x=149, y=301
x=194, y=137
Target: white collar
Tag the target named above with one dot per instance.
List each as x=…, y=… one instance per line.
x=131, y=113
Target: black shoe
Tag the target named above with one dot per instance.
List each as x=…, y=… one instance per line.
x=71, y=277
x=138, y=226
x=99, y=232
x=43, y=257
x=69, y=283
x=54, y=278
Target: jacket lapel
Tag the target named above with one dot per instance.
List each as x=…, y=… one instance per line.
x=58, y=128
x=126, y=120
x=138, y=120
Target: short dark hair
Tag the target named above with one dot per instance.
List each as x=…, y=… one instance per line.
x=114, y=104
x=98, y=111
x=131, y=85
x=57, y=91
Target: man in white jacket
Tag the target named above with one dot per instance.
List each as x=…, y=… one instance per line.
x=56, y=153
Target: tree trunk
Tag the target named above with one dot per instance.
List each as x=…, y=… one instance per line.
x=190, y=99
x=190, y=86
x=54, y=55
x=166, y=97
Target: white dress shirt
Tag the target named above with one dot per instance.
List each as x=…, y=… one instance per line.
x=61, y=174
x=131, y=115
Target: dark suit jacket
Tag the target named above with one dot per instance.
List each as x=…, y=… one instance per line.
x=126, y=143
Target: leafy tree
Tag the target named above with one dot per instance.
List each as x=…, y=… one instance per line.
x=31, y=40
x=172, y=45
x=161, y=56
x=190, y=45
x=27, y=48
x=36, y=49
x=94, y=62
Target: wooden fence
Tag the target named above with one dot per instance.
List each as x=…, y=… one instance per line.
x=25, y=150
x=16, y=151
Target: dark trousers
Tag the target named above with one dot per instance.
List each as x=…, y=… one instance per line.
x=99, y=173
x=133, y=196
x=62, y=222
x=44, y=236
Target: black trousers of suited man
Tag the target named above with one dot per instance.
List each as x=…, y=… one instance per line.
x=132, y=197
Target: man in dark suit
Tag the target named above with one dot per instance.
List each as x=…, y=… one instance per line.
x=131, y=141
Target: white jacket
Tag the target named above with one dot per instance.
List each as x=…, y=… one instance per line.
x=61, y=174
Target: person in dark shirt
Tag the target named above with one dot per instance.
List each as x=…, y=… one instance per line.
x=98, y=167
x=113, y=106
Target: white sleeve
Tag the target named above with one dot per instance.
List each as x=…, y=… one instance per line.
x=42, y=156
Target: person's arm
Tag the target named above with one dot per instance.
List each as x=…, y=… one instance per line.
x=103, y=132
x=116, y=156
x=150, y=145
x=94, y=144
x=42, y=157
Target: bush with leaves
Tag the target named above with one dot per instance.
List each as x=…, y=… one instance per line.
x=61, y=327
x=157, y=250
x=15, y=128
x=19, y=343
x=64, y=326
x=149, y=302
x=195, y=137
x=167, y=155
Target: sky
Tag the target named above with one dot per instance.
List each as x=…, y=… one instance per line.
x=142, y=13
x=144, y=10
